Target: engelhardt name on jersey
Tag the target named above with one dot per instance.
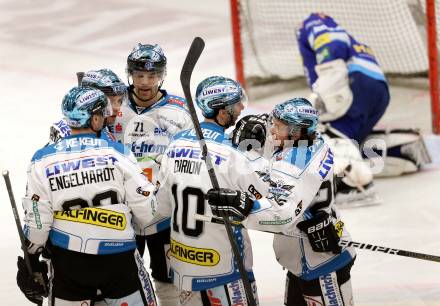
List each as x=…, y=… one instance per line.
x=84, y=193
x=148, y=132
x=201, y=255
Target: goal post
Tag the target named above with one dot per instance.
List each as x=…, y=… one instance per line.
x=402, y=33
x=431, y=29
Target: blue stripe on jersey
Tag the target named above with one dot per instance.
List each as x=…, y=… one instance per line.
x=211, y=131
x=163, y=225
x=301, y=156
x=334, y=264
x=64, y=146
x=370, y=73
x=115, y=246
x=60, y=239
x=321, y=40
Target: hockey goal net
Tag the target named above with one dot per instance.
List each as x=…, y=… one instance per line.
x=265, y=44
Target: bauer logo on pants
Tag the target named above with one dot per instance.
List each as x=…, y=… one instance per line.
x=195, y=256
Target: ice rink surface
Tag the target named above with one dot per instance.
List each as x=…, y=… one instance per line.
x=44, y=42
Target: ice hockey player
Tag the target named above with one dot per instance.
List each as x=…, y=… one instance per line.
x=113, y=87
x=146, y=122
x=299, y=199
x=202, y=261
x=82, y=196
x=351, y=93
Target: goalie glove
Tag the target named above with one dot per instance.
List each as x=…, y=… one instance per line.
x=234, y=203
x=249, y=129
x=321, y=233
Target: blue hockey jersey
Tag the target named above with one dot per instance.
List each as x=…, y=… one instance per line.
x=321, y=39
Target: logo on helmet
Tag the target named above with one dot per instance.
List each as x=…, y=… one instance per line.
x=307, y=111
x=86, y=98
x=92, y=75
x=149, y=65
x=212, y=91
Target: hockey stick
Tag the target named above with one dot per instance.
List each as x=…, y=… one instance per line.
x=342, y=242
x=18, y=224
x=79, y=76
x=192, y=57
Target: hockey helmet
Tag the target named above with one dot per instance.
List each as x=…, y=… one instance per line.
x=297, y=113
x=218, y=92
x=147, y=58
x=105, y=80
x=80, y=103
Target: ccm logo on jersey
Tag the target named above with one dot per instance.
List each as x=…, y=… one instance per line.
x=195, y=256
x=94, y=216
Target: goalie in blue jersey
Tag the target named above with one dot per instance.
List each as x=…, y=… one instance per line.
x=351, y=93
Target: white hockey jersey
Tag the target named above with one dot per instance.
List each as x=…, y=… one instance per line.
x=201, y=255
x=84, y=193
x=300, y=182
x=148, y=132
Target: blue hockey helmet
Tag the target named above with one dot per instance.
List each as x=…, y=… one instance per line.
x=218, y=92
x=298, y=113
x=80, y=103
x=105, y=80
x=146, y=58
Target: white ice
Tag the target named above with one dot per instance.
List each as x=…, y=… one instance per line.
x=43, y=43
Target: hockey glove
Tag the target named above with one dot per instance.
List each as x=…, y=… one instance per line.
x=35, y=286
x=234, y=203
x=321, y=233
x=251, y=127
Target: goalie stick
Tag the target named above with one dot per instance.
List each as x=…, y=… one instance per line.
x=342, y=242
x=191, y=59
x=19, y=228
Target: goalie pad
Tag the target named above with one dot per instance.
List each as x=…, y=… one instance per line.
x=332, y=89
x=405, y=151
x=348, y=162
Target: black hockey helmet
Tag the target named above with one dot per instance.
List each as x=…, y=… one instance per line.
x=146, y=58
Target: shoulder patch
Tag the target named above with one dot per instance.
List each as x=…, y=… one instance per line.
x=176, y=100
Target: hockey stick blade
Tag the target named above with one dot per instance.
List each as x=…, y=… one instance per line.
x=192, y=57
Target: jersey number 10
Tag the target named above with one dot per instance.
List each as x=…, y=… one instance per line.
x=200, y=209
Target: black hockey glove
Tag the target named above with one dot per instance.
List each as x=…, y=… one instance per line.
x=321, y=233
x=248, y=128
x=35, y=286
x=234, y=203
